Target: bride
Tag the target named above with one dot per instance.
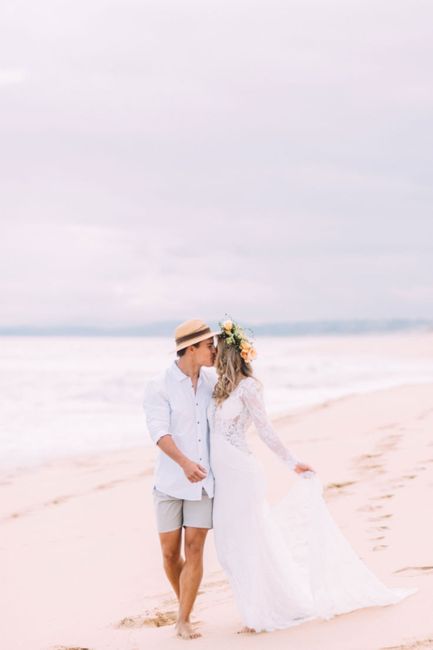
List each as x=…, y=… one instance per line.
x=290, y=563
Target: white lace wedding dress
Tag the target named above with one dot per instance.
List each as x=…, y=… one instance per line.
x=286, y=564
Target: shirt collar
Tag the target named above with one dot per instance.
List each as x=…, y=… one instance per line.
x=177, y=372
x=180, y=376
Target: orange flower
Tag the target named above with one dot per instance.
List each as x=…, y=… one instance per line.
x=245, y=345
x=248, y=355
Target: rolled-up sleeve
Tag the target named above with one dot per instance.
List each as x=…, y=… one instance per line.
x=157, y=410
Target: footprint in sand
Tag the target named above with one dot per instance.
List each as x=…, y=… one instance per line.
x=380, y=517
x=416, y=570
x=119, y=481
x=149, y=619
x=379, y=547
x=373, y=529
x=378, y=469
x=420, y=644
x=369, y=508
x=110, y=484
x=396, y=484
x=389, y=442
x=215, y=586
x=58, y=500
x=390, y=425
x=424, y=415
x=367, y=461
x=369, y=456
x=216, y=583
x=337, y=488
x=383, y=496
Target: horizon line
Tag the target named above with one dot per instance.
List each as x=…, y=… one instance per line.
x=270, y=328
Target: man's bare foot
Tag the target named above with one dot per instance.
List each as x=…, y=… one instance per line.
x=246, y=630
x=184, y=630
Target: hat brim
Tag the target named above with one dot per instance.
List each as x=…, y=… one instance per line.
x=198, y=339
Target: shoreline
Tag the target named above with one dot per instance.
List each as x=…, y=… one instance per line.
x=81, y=406
x=91, y=456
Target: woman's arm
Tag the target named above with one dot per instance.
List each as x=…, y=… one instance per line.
x=252, y=396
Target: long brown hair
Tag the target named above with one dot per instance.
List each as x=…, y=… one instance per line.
x=231, y=369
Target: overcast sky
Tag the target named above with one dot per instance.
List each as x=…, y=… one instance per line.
x=167, y=159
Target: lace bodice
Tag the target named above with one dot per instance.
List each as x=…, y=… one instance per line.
x=232, y=418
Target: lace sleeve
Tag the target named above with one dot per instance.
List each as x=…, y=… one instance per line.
x=252, y=397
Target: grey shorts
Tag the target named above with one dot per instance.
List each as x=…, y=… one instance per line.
x=173, y=513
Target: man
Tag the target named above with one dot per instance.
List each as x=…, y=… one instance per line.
x=176, y=405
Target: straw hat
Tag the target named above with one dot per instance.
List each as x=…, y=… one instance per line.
x=190, y=332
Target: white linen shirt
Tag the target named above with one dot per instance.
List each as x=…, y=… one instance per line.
x=172, y=407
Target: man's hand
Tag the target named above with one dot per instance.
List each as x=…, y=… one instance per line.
x=193, y=471
x=301, y=467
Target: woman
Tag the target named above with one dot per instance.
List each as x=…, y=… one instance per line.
x=291, y=563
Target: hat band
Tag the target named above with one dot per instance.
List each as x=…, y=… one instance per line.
x=193, y=335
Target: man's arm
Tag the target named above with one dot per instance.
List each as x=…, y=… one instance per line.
x=157, y=410
x=193, y=471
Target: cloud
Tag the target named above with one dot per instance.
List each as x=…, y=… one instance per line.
x=268, y=159
x=12, y=76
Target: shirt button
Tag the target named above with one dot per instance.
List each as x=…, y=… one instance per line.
x=198, y=421
x=199, y=439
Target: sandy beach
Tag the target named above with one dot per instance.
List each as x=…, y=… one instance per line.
x=80, y=564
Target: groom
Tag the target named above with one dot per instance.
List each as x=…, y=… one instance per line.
x=175, y=404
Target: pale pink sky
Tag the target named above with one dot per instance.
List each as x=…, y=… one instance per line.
x=269, y=159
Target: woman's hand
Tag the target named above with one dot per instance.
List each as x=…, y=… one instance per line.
x=302, y=467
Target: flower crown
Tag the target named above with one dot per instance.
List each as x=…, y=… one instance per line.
x=234, y=335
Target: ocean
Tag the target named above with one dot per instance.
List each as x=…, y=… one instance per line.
x=63, y=396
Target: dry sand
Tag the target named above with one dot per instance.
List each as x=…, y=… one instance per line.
x=79, y=556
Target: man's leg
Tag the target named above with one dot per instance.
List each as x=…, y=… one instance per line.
x=173, y=562
x=190, y=578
